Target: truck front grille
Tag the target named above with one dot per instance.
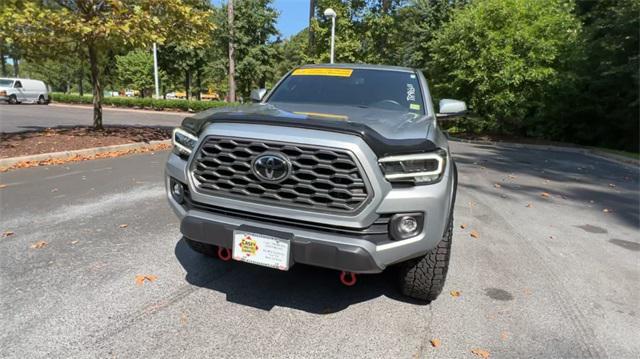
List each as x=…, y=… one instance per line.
x=321, y=178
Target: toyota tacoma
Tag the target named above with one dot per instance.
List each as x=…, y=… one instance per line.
x=338, y=166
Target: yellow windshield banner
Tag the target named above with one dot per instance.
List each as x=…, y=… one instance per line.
x=323, y=115
x=322, y=72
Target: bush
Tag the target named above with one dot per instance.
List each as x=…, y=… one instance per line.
x=507, y=58
x=147, y=103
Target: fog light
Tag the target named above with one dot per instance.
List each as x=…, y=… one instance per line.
x=177, y=190
x=406, y=225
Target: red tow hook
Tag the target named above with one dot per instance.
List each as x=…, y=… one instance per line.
x=348, y=278
x=224, y=253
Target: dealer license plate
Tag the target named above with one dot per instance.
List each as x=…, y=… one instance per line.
x=261, y=249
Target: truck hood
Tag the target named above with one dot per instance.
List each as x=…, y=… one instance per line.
x=387, y=132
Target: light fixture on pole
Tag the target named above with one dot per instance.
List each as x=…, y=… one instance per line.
x=155, y=70
x=332, y=14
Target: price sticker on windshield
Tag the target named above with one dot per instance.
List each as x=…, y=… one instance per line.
x=322, y=72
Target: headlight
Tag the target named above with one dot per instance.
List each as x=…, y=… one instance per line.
x=419, y=168
x=183, y=141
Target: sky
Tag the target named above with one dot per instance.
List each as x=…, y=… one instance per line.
x=294, y=15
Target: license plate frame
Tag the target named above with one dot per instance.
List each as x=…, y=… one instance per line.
x=267, y=250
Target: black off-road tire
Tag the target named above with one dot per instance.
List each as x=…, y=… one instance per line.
x=208, y=250
x=423, y=277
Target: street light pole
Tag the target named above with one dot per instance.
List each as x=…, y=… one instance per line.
x=332, y=14
x=155, y=70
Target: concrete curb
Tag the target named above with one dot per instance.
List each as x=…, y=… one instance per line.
x=621, y=160
x=87, y=152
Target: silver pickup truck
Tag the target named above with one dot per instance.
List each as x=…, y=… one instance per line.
x=339, y=166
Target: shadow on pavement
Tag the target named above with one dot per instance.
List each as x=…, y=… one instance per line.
x=573, y=178
x=311, y=289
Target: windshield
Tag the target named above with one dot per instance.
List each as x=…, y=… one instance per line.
x=6, y=83
x=384, y=89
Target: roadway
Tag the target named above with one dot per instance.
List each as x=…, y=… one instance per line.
x=28, y=117
x=551, y=274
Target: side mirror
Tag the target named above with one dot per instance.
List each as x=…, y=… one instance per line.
x=451, y=108
x=258, y=94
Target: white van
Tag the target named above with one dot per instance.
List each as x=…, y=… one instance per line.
x=13, y=90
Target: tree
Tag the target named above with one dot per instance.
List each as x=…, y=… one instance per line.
x=135, y=70
x=604, y=110
x=505, y=57
x=231, y=97
x=419, y=21
x=254, y=48
x=101, y=25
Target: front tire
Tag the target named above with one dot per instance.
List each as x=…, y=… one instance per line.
x=208, y=250
x=13, y=99
x=423, y=277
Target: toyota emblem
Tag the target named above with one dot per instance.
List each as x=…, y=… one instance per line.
x=271, y=167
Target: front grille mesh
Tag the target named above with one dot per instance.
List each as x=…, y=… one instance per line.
x=321, y=178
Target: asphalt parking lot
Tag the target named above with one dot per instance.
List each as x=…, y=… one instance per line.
x=30, y=117
x=554, y=271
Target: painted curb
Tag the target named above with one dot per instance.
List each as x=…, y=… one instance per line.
x=621, y=160
x=8, y=162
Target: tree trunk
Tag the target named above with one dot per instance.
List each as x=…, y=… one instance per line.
x=231, y=97
x=16, y=67
x=312, y=13
x=386, y=5
x=97, y=89
x=199, y=85
x=3, y=61
x=80, y=79
x=187, y=84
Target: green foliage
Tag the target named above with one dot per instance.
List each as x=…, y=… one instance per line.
x=146, y=103
x=256, y=52
x=604, y=111
x=135, y=70
x=505, y=57
x=417, y=24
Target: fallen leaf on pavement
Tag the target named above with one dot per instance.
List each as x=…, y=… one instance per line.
x=455, y=293
x=606, y=210
x=474, y=234
x=504, y=335
x=141, y=278
x=39, y=245
x=54, y=190
x=484, y=354
x=463, y=226
x=7, y=234
x=435, y=343
x=3, y=185
x=497, y=185
x=513, y=176
x=74, y=242
x=545, y=194
x=123, y=225
x=529, y=205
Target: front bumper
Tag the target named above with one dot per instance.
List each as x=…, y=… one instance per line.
x=359, y=249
